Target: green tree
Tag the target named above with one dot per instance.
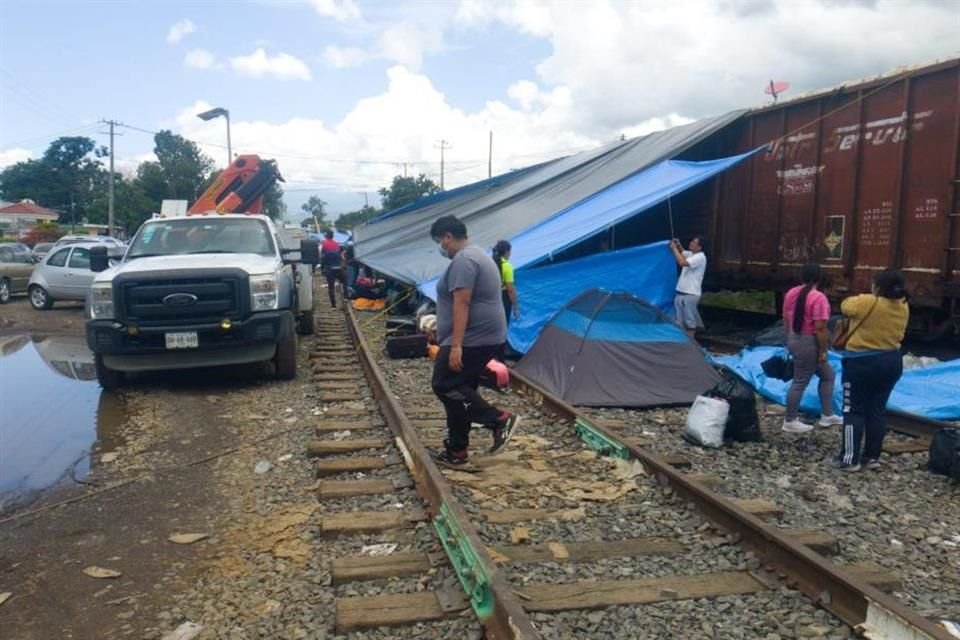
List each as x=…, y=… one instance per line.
x=183, y=166
x=67, y=178
x=314, y=207
x=402, y=191
x=273, y=204
x=356, y=218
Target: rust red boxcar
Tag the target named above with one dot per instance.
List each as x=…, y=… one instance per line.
x=857, y=178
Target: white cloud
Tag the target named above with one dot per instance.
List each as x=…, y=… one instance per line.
x=281, y=65
x=201, y=59
x=180, y=30
x=399, y=125
x=13, y=156
x=345, y=57
x=341, y=11
x=626, y=63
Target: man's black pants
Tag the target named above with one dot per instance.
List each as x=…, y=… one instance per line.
x=457, y=391
x=867, y=383
x=334, y=275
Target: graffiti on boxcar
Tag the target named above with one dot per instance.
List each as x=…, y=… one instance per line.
x=877, y=132
x=795, y=248
x=789, y=147
x=798, y=180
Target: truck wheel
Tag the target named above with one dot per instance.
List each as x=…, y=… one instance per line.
x=39, y=298
x=108, y=378
x=285, y=360
x=305, y=323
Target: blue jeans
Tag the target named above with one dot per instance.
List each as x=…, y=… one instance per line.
x=867, y=383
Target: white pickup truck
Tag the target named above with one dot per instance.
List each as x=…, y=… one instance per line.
x=198, y=291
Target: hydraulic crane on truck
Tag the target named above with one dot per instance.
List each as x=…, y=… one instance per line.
x=239, y=188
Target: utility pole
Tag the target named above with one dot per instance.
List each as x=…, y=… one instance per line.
x=443, y=145
x=404, y=169
x=490, y=157
x=366, y=202
x=112, y=124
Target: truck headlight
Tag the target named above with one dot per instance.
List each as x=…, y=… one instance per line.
x=101, y=301
x=263, y=292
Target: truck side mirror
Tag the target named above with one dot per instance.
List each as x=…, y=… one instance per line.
x=99, y=260
x=309, y=251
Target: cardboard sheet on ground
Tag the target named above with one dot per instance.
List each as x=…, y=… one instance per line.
x=528, y=464
x=929, y=391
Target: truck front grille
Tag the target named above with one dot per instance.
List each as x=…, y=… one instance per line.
x=215, y=298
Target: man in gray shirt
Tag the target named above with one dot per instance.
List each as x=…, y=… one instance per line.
x=471, y=330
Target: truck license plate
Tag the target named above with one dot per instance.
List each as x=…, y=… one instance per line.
x=186, y=340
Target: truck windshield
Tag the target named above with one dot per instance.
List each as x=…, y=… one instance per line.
x=184, y=236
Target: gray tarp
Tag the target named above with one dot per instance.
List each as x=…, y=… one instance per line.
x=400, y=246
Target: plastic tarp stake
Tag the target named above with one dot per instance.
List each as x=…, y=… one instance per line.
x=928, y=391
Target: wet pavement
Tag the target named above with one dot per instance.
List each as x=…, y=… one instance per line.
x=52, y=412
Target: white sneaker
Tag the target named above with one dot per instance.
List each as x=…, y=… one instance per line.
x=830, y=421
x=795, y=426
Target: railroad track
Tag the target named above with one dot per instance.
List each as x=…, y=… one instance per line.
x=571, y=519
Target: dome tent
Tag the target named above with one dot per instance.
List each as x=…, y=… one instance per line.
x=605, y=349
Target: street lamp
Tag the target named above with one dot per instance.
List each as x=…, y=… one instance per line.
x=216, y=113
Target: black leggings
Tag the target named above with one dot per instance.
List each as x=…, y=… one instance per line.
x=334, y=275
x=507, y=305
x=457, y=391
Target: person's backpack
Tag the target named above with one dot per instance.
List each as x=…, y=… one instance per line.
x=743, y=424
x=944, y=457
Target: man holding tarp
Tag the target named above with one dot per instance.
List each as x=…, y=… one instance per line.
x=689, y=285
x=471, y=330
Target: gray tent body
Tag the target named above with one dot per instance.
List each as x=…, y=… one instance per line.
x=615, y=350
x=400, y=246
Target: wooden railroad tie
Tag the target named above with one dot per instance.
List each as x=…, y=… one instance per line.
x=588, y=594
x=369, y=521
x=366, y=612
x=337, y=377
x=763, y=509
x=333, y=466
x=906, y=446
x=337, y=385
x=325, y=426
x=339, y=397
x=584, y=551
x=330, y=489
x=318, y=448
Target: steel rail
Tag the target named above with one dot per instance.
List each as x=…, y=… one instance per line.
x=497, y=607
x=869, y=611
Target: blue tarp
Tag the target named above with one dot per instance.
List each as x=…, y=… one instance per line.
x=614, y=204
x=928, y=391
x=648, y=272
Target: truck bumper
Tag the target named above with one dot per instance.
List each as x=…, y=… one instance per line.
x=126, y=348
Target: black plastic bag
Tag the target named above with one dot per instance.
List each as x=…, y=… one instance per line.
x=779, y=367
x=945, y=453
x=743, y=424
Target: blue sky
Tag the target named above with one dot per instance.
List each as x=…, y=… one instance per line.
x=341, y=91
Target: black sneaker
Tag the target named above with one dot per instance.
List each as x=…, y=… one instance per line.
x=503, y=429
x=840, y=465
x=451, y=459
x=872, y=463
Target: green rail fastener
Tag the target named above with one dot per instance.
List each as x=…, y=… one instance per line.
x=473, y=577
x=600, y=442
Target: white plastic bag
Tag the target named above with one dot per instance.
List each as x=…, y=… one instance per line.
x=706, y=421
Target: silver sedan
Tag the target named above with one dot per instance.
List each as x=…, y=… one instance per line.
x=63, y=275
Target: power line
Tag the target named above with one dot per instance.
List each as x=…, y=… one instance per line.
x=48, y=136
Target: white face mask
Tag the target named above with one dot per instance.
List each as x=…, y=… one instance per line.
x=442, y=251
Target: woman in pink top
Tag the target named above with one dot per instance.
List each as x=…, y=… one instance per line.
x=805, y=314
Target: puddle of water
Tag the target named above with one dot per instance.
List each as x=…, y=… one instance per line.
x=51, y=413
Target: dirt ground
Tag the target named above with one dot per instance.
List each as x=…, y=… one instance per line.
x=17, y=316
x=186, y=465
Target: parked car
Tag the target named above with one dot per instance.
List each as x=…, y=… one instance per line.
x=41, y=249
x=76, y=239
x=15, y=269
x=64, y=275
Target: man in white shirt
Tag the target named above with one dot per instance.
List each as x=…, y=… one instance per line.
x=694, y=264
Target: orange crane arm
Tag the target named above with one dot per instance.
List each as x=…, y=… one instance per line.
x=239, y=188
